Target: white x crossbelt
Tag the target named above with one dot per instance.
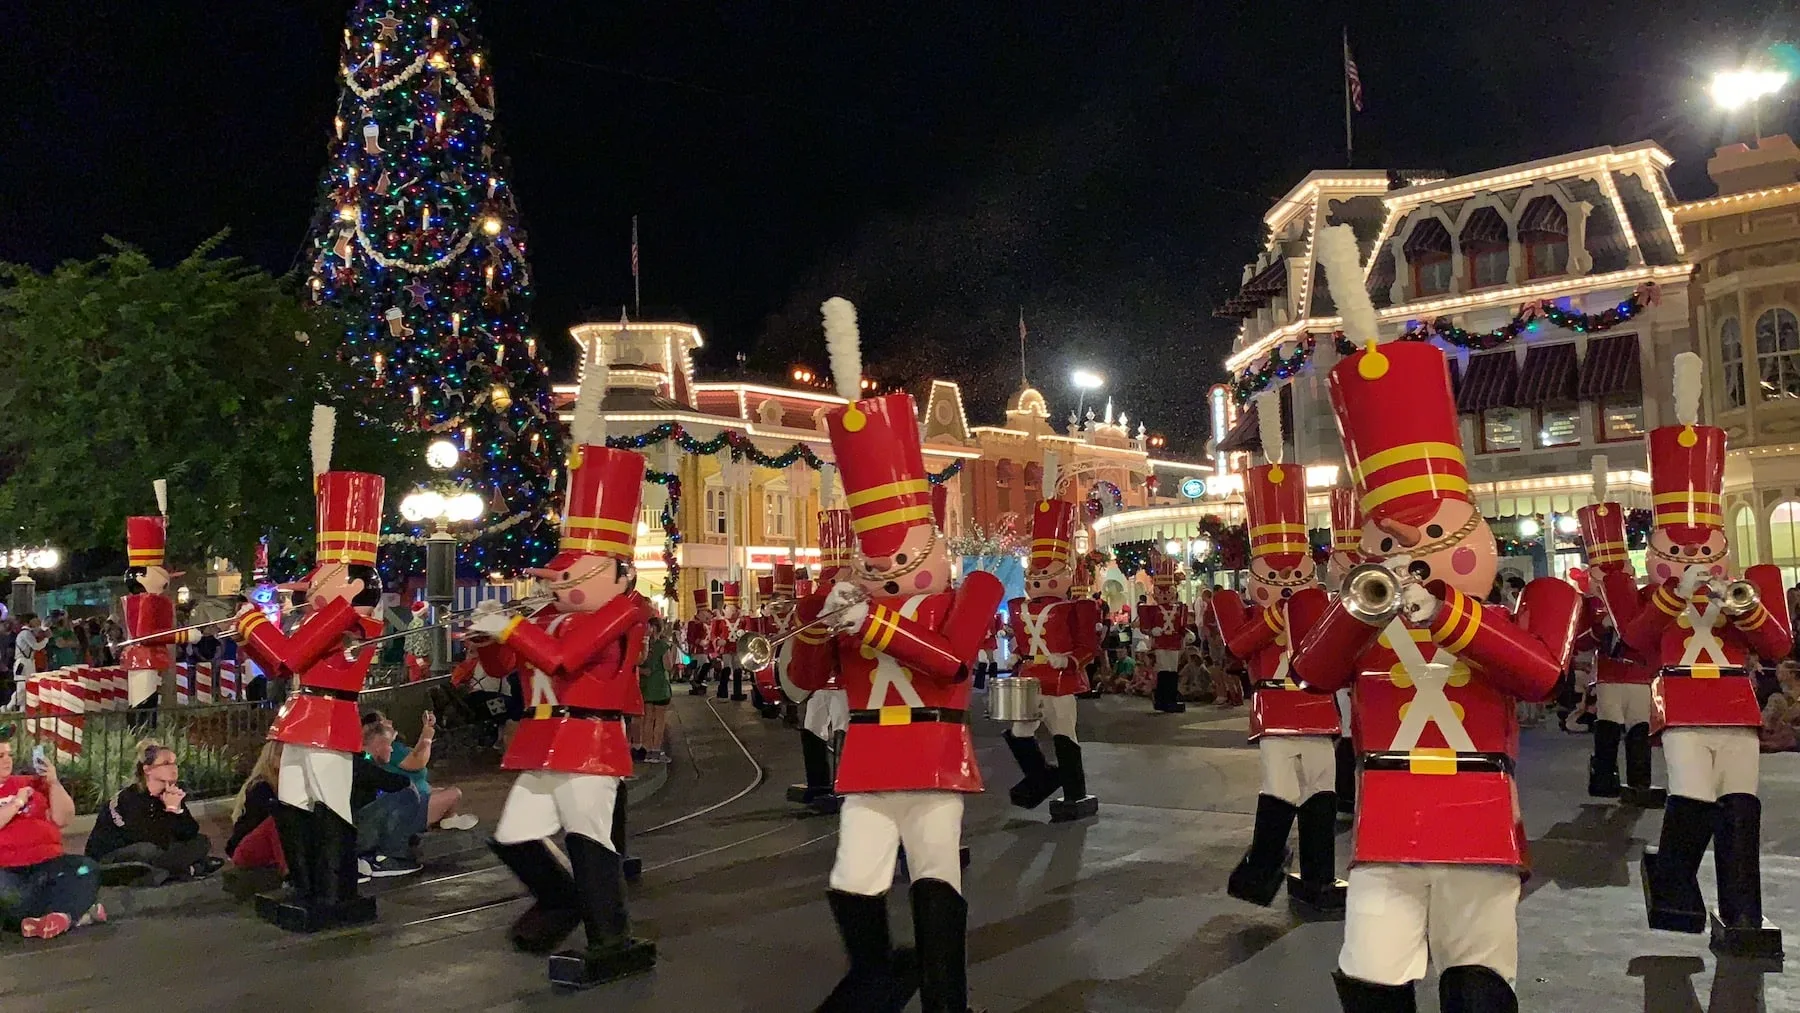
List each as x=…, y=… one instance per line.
x=888, y=672
x=1703, y=648
x=1429, y=704
x=543, y=691
x=1035, y=644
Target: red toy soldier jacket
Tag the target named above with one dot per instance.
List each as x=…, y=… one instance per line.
x=585, y=686
x=1616, y=662
x=1698, y=653
x=147, y=615
x=1166, y=628
x=1260, y=635
x=906, y=673
x=323, y=714
x=1054, y=640
x=1438, y=745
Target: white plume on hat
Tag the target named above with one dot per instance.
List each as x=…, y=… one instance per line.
x=1268, y=425
x=1336, y=250
x=1687, y=388
x=1600, y=478
x=588, y=426
x=843, y=343
x=160, y=486
x=324, y=432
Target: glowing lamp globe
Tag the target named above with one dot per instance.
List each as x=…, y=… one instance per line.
x=441, y=455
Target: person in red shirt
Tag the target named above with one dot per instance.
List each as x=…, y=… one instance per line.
x=46, y=891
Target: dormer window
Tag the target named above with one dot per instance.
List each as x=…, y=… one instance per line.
x=1544, y=232
x=1485, y=248
x=1428, y=254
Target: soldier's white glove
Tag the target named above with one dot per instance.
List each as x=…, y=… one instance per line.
x=851, y=619
x=491, y=624
x=1691, y=579
x=1419, y=605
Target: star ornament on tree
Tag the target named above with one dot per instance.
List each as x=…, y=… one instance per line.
x=418, y=292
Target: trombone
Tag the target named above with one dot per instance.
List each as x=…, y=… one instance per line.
x=230, y=620
x=529, y=605
x=756, y=650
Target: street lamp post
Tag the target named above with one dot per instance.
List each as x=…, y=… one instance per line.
x=1085, y=380
x=24, y=588
x=443, y=507
x=1734, y=89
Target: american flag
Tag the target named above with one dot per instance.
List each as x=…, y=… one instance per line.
x=634, y=241
x=1352, y=80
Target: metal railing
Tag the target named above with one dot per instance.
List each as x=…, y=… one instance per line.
x=215, y=746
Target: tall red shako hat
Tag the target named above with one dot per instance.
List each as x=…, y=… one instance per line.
x=1398, y=419
x=348, y=508
x=1687, y=464
x=1052, y=527
x=605, y=487
x=1275, y=497
x=145, y=538
x=702, y=598
x=1163, y=572
x=1346, y=521
x=1603, y=524
x=765, y=586
x=729, y=592
x=836, y=540
x=782, y=581
x=875, y=443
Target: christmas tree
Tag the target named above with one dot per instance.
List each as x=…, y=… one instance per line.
x=419, y=248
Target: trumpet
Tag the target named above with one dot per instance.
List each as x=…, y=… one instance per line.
x=1737, y=598
x=1372, y=593
x=757, y=650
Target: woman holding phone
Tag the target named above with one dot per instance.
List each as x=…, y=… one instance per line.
x=44, y=890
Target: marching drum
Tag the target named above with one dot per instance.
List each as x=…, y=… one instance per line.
x=1014, y=698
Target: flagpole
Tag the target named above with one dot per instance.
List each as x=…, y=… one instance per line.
x=637, y=292
x=1349, y=146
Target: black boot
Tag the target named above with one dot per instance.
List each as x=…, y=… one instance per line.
x=611, y=953
x=815, y=757
x=337, y=873
x=1737, y=929
x=699, y=678
x=1258, y=876
x=1359, y=996
x=552, y=915
x=1671, y=873
x=941, y=932
x=1075, y=803
x=1040, y=778
x=1472, y=988
x=1317, y=885
x=737, y=685
x=881, y=979
x=1346, y=776
x=724, y=692
x=1638, y=790
x=293, y=909
x=1603, y=766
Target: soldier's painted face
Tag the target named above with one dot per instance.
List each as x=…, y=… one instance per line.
x=1667, y=559
x=921, y=565
x=1164, y=595
x=1270, y=582
x=588, y=583
x=1453, y=545
x=1054, y=584
x=155, y=579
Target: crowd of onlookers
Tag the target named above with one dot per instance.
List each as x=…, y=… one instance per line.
x=30, y=643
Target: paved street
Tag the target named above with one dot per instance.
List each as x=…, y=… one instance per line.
x=1124, y=913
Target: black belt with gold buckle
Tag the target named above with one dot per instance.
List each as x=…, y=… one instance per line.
x=907, y=716
x=1489, y=763
x=1712, y=672
x=331, y=694
x=546, y=710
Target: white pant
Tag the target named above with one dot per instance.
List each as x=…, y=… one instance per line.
x=1459, y=914
x=827, y=713
x=1168, y=661
x=1705, y=763
x=543, y=802
x=872, y=826
x=1055, y=712
x=311, y=775
x=1297, y=767
x=141, y=684
x=1624, y=703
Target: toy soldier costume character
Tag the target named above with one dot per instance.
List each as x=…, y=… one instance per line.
x=727, y=626
x=702, y=652
x=1295, y=731
x=1165, y=623
x=1436, y=677
x=146, y=612
x=1056, y=639
x=902, y=644
x=1699, y=629
x=320, y=726
x=827, y=709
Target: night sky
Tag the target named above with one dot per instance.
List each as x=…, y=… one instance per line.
x=1104, y=165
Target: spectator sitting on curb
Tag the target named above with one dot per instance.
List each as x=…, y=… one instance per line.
x=396, y=757
x=1781, y=715
x=254, y=844
x=44, y=890
x=389, y=811
x=146, y=830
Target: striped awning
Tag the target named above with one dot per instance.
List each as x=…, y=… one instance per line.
x=1429, y=236
x=1490, y=382
x=1264, y=285
x=1548, y=377
x=1245, y=435
x=1544, y=215
x=1485, y=226
x=1611, y=368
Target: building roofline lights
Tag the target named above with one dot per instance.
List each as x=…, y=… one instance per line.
x=1712, y=207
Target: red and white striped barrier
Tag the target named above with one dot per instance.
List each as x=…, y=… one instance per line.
x=55, y=704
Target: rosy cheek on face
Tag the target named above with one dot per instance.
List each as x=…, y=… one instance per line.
x=922, y=579
x=1718, y=570
x=575, y=596
x=1463, y=560
x=1262, y=594
x=1662, y=571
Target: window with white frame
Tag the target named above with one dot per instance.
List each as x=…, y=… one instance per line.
x=1621, y=418
x=718, y=507
x=778, y=512
x=1784, y=540
x=1503, y=430
x=1731, y=361
x=1743, y=536
x=1559, y=427
x=1778, y=354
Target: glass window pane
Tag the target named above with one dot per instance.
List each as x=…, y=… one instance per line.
x=1787, y=330
x=1731, y=342
x=1503, y=429
x=1743, y=538
x=1548, y=257
x=1765, y=333
x=1784, y=525
x=1623, y=420
x=1490, y=267
x=1560, y=427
